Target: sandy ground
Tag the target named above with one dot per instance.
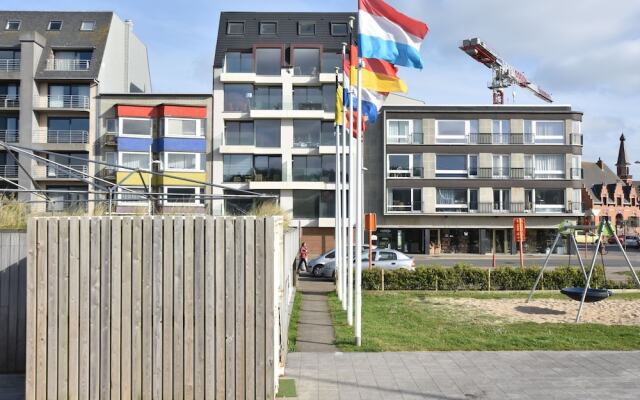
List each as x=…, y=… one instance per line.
x=609, y=312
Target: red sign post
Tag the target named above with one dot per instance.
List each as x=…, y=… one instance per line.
x=519, y=231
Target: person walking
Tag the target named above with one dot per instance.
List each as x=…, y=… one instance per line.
x=302, y=255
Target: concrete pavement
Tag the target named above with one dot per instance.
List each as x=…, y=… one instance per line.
x=315, y=329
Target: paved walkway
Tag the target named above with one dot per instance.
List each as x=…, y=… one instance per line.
x=466, y=375
x=315, y=330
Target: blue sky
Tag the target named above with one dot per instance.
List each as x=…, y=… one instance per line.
x=584, y=52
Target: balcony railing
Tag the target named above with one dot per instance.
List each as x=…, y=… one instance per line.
x=9, y=101
x=407, y=208
x=577, y=173
x=61, y=136
x=9, y=64
x=54, y=64
x=9, y=135
x=276, y=104
x=9, y=171
x=415, y=172
x=574, y=207
x=254, y=176
x=67, y=101
x=577, y=139
x=54, y=171
x=414, y=138
x=501, y=172
x=500, y=138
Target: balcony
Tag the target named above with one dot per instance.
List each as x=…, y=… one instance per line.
x=76, y=102
x=54, y=64
x=522, y=173
x=107, y=173
x=9, y=101
x=413, y=138
x=499, y=138
x=9, y=135
x=577, y=139
x=574, y=207
x=415, y=172
x=577, y=173
x=54, y=171
x=404, y=208
x=9, y=171
x=9, y=64
x=254, y=176
x=61, y=136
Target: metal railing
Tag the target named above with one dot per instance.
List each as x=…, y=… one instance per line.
x=276, y=104
x=415, y=138
x=61, y=136
x=9, y=135
x=415, y=172
x=485, y=173
x=500, y=138
x=577, y=173
x=9, y=100
x=64, y=101
x=9, y=64
x=574, y=207
x=407, y=208
x=54, y=171
x=501, y=172
x=55, y=64
x=253, y=176
x=9, y=171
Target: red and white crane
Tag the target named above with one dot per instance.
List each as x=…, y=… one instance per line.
x=504, y=75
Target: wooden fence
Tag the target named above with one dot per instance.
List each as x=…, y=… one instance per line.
x=13, y=299
x=155, y=307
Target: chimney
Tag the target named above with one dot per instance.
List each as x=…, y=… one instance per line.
x=599, y=163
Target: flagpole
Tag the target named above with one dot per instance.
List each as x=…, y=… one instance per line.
x=343, y=192
x=359, y=211
x=352, y=188
x=337, y=212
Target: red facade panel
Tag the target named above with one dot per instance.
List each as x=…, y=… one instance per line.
x=166, y=110
x=135, y=111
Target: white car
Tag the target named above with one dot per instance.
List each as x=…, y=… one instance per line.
x=316, y=264
x=382, y=258
x=631, y=241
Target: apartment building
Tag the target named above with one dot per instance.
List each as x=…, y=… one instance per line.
x=53, y=66
x=274, y=99
x=450, y=179
x=166, y=133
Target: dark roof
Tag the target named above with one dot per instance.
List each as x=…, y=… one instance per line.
x=594, y=178
x=622, y=154
x=287, y=31
x=68, y=37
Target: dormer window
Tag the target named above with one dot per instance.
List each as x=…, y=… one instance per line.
x=235, y=28
x=88, y=25
x=268, y=28
x=12, y=25
x=306, y=28
x=54, y=25
x=339, y=29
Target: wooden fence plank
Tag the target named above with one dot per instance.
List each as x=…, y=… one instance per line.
x=22, y=305
x=148, y=246
x=42, y=299
x=32, y=308
x=52, y=310
x=94, y=310
x=157, y=264
x=200, y=368
x=141, y=288
x=16, y=301
x=211, y=319
x=250, y=311
x=63, y=308
x=85, y=305
x=188, y=308
x=270, y=295
x=260, y=309
x=220, y=347
x=167, y=308
x=74, y=306
x=105, y=308
x=239, y=314
x=126, y=328
x=115, y=330
x=178, y=308
x=5, y=285
x=230, y=308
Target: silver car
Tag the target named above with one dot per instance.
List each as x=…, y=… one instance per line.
x=382, y=258
x=316, y=264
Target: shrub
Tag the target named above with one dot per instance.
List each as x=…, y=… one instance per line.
x=465, y=277
x=13, y=214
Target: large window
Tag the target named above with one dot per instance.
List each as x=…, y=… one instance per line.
x=246, y=167
x=307, y=98
x=69, y=160
x=306, y=28
x=404, y=132
x=237, y=97
x=314, y=168
x=501, y=200
x=549, y=200
x=312, y=204
x=339, y=29
x=267, y=133
x=404, y=165
x=267, y=98
x=268, y=61
x=236, y=61
x=330, y=61
x=267, y=168
x=136, y=126
x=183, y=196
x=544, y=166
x=135, y=160
x=68, y=96
x=306, y=61
x=306, y=133
x=184, y=161
x=544, y=132
x=243, y=205
x=452, y=200
x=67, y=198
x=75, y=60
x=404, y=200
x=328, y=134
x=329, y=98
x=235, y=28
x=183, y=127
x=501, y=165
x=452, y=166
x=455, y=131
x=268, y=28
x=260, y=133
x=501, y=129
x=67, y=130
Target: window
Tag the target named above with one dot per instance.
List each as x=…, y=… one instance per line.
x=268, y=168
x=549, y=200
x=183, y=161
x=386, y=256
x=111, y=157
x=404, y=165
x=237, y=167
x=235, y=28
x=576, y=167
x=339, y=29
x=268, y=61
x=455, y=131
x=242, y=133
x=544, y=132
x=67, y=160
x=71, y=200
x=68, y=96
x=502, y=200
x=329, y=98
x=182, y=127
x=135, y=160
x=112, y=125
x=452, y=200
x=243, y=206
x=314, y=168
x=546, y=166
x=235, y=61
x=268, y=28
x=267, y=133
x=306, y=133
x=237, y=97
x=70, y=60
x=67, y=130
x=306, y=62
x=88, y=25
x=328, y=134
x=312, y=204
x=331, y=61
x=126, y=197
x=576, y=206
x=13, y=25
x=54, y=25
x=10, y=54
x=452, y=166
x=267, y=98
x=136, y=126
x=501, y=129
x=306, y=28
x=404, y=200
x=404, y=131
x=501, y=165
x=183, y=196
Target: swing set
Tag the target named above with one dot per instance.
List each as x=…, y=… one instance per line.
x=585, y=294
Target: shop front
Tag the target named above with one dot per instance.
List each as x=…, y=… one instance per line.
x=410, y=241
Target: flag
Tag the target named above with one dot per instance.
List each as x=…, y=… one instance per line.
x=352, y=123
x=387, y=34
x=378, y=75
x=339, y=104
x=372, y=102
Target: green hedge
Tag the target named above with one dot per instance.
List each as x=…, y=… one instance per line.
x=465, y=277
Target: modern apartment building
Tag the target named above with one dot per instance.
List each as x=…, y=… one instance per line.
x=450, y=179
x=167, y=133
x=274, y=99
x=53, y=65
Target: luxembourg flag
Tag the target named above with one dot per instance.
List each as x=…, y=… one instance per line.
x=372, y=102
x=387, y=34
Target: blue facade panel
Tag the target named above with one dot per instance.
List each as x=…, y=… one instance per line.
x=134, y=144
x=191, y=145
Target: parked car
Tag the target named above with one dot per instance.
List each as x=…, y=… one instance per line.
x=631, y=241
x=612, y=239
x=316, y=264
x=583, y=237
x=382, y=258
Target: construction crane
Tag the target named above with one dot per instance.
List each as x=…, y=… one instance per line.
x=504, y=75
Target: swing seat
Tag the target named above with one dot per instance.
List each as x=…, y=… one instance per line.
x=593, y=295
